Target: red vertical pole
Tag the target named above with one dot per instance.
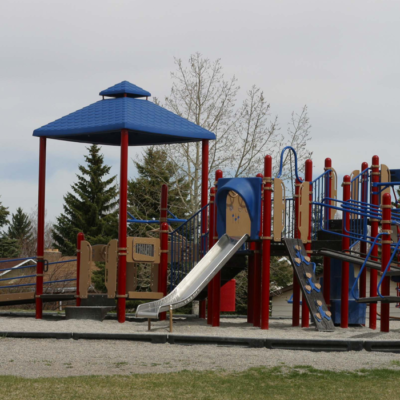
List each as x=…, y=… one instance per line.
x=211, y=242
x=40, y=228
x=305, y=313
x=163, y=266
x=363, y=245
x=296, y=285
x=216, y=297
x=204, y=199
x=251, y=284
x=257, y=285
x=123, y=211
x=266, y=242
x=375, y=176
x=327, y=260
x=79, y=239
x=258, y=275
x=162, y=281
x=386, y=242
x=344, y=306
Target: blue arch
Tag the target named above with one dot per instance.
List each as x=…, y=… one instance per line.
x=290, y=148
x=249, y=189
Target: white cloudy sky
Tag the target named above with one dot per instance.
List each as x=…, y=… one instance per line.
x=341, y=58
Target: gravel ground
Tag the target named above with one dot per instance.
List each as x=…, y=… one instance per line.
x=235, y=327
x=34, y=358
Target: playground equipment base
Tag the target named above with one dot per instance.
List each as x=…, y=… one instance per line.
x=96, y=313
x=314, y=345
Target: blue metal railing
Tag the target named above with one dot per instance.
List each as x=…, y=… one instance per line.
x=188, y=245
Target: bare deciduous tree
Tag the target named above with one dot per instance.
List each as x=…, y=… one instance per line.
x=245, y=134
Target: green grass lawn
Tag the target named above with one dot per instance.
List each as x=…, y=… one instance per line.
x=257, y=383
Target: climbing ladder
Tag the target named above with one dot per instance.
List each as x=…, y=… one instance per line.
x=305, y=272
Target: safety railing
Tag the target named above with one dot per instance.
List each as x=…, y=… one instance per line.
x=19, y=267
x=187, y=245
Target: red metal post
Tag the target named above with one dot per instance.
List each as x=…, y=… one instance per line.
x=386, y=241
x=296, y=285
x=123, y=211
x=211, y=244
x=163, y=266
x=327, y=260
x=258, y=275
x=79, y=239
x=363, y=245
x=374, y=233
x=216, y=297
x=344, y=306
x=266, y=242
x=251, y=284
x=40, y=228
x=162, y=282
x=305, y=313
x=204, y=195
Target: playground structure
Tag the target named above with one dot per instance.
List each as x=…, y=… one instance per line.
x=244, y=223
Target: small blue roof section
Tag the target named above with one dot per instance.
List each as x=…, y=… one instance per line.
x=125, y=88
x=146, y=122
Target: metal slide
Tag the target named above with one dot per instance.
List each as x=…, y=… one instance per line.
x=197, y=279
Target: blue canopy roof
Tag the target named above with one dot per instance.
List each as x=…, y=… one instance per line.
x=125, y=87
x=102, y=122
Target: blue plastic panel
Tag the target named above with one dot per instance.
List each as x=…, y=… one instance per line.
x=250, y=191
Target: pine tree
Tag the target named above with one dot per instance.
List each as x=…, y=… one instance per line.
x=8, y=247
x=144, y=192
x=4, y=213
x=20, y=227
x=90, y=207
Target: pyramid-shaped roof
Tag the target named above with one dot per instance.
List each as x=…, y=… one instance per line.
x=102, y=122
x=127, y=88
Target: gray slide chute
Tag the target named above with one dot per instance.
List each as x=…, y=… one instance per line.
x=196, y=280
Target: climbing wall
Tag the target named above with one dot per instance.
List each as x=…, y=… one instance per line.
x=312, y=291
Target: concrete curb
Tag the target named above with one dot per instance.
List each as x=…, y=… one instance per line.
x=315, y=345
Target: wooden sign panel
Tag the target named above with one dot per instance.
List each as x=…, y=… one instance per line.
x=237, y=216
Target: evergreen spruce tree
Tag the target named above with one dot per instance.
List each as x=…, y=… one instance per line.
x=90, y=207
x=8, y=247
x=4, y=213
x=144, y=192
x=20, y=227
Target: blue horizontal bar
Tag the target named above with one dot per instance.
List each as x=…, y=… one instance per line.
x=34, y=284
x=18, y=259
x=18, y=277
x=21, y=267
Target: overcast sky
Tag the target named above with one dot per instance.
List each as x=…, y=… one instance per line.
x=341, y=58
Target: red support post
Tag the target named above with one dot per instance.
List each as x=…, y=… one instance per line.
x=296, y=285
x=266, y=242
x=123, y=211
x=163, y=266
x=251, y=285
x=162, y=281
x=327, y=260
x=305, y=313
x=363, y=245
x=40, y=226
x=216, y=297
x=375, y=177
x=204, y=195
x=386, y=242
x=344, y=306
x=257, y=285
x=211, y=242
x=79, y=239
x=258, y=275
